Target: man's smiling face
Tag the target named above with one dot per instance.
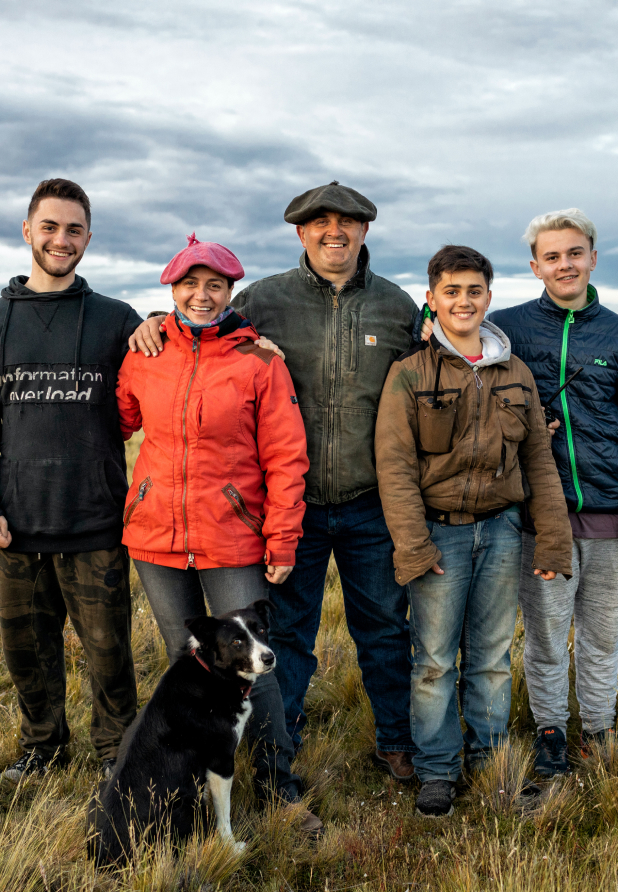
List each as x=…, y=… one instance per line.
x=58, y=233
x=333, y=242
x=460, y=300
x=564, y=261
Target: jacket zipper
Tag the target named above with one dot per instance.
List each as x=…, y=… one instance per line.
x=144, y=487
x=479, y=384
x=331, y=399
x=196, y=351
x=565, y=409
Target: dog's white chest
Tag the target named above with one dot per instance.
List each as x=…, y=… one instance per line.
x=243, y=717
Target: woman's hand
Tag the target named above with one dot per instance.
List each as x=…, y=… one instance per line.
x=5, y=536
x=545, y=574
x=146, y=337
x=277, y=575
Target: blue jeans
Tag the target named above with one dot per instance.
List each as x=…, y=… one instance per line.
x=473, y=607
x=375, y=606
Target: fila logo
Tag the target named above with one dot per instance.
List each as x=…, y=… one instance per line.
x=600, y=362
x=371, y=341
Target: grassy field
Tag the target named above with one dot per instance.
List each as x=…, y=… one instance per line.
x=373, y=839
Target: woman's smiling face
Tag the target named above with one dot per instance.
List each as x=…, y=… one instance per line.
x=202, y=294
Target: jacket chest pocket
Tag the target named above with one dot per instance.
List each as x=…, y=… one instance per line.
x=436, y=424
x=513, y=404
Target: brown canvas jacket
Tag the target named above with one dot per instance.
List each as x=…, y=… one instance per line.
x=468, y=455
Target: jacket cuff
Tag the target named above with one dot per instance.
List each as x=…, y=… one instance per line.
x=280, y=558
x=413, y=569
x=547, y=560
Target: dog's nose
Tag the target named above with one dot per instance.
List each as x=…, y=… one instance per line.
x=268, y=658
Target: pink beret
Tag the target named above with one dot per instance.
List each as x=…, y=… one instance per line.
x=202, y=254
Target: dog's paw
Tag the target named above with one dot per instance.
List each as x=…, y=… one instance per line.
x=239, y=847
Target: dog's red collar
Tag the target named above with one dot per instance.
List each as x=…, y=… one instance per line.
x=245, y=688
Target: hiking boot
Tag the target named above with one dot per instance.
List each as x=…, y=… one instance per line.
x=399, y=763
x=436, y=799
x=603, y=739
x=107, y=767
x=310, y=824
x=550, y=753
x=27, y=765
x=529, y=789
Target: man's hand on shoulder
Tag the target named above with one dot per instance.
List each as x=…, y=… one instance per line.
x=5, y=536
x=427, y=329
x=268, y=345
x=147, y=337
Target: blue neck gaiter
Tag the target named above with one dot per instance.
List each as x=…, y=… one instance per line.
x=196, y=330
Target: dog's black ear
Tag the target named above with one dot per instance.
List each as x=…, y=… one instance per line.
x=202, y=627
x=261, y=607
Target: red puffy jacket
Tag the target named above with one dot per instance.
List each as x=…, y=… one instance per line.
x=219, y=478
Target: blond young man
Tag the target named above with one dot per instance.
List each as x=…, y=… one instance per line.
x=564, y=329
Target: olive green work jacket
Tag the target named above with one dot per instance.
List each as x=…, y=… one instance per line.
x=338, y=349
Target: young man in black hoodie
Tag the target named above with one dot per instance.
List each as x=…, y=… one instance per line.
x=63, y=486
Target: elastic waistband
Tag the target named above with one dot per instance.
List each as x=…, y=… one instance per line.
x=456, y=518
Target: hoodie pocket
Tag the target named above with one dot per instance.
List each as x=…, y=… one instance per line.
x=240, y=509
x=144, y=488
x=59, y=498
x=436, y=425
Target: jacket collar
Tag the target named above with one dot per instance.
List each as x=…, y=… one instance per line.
x=233, y=328
x=591, y=309
x=360, y=279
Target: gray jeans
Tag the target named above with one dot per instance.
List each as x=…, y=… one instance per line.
x=176, y=595
x=591, y=597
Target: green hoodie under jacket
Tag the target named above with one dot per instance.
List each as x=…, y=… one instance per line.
x=338, y=349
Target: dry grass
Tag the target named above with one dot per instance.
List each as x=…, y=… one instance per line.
x=568, y=842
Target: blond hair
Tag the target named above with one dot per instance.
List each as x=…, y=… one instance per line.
x=571, y=218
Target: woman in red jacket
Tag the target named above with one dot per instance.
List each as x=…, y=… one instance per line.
x=217, y=494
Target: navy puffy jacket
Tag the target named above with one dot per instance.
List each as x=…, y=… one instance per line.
x=555, y=342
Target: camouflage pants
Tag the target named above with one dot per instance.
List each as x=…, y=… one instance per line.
x=36, y=593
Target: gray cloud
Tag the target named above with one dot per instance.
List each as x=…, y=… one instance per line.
x=461, y=120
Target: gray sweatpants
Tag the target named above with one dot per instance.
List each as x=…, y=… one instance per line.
x=591, y=596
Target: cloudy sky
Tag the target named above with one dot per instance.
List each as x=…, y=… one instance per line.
x=460, y=119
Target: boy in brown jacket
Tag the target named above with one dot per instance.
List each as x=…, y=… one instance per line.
x=461, y=440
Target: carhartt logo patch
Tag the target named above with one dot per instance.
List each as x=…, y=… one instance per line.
x=371, y=341
x=600, y=362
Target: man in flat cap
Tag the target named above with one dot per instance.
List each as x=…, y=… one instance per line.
x=341, y=327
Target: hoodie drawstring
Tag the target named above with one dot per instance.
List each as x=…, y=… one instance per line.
x=78, y=342
x=3, y=337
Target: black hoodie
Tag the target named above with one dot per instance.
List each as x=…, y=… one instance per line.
x=62, y=468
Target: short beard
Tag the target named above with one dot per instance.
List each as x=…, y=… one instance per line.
x=41, y=260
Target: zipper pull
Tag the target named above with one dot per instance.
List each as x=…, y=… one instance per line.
x=142, y=490
x=194, y=345
x=191, y=560
x=335, y=298
x=477, y=378
x=571, y=317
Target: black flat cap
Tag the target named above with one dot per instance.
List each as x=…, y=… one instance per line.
x=334, y=197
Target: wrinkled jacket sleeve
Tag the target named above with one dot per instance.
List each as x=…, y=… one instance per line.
x=129, y=409
x=547, y=506
x=282, y=449
x=399, y=477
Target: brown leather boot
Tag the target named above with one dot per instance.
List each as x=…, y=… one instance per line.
x=308, y=822
x=398, y=763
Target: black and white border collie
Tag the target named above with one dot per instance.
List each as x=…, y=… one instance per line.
x=183, y=741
